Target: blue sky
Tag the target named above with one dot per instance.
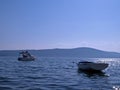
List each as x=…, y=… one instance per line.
x=44, y=24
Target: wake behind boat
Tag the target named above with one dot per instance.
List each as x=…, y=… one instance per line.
x=87, y=66
x=25, y=56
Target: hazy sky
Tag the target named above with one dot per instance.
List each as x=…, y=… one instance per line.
x=44, y=24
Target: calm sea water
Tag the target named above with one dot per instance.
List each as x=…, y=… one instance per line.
x=56, y=73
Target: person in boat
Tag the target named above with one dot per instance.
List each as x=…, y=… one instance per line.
x=25, y=54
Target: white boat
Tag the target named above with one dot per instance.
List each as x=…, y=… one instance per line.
x=85, y=65
x=25, y=56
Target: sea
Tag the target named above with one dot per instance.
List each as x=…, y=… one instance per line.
x=55, y=73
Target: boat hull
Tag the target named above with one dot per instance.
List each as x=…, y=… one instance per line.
x=26, y=59
x=92, y=66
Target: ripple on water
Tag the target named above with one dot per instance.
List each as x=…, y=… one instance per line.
x=55, y=74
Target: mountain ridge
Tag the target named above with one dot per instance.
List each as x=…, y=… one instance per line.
x=84, y=52
x=80, y=52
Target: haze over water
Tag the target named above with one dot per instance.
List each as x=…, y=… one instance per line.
x=55, y=73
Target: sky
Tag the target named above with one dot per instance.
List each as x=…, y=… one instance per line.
x=47, y=24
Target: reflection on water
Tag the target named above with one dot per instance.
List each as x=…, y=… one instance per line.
x=91, y=73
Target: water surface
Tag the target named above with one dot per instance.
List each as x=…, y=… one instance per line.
x=56, y=73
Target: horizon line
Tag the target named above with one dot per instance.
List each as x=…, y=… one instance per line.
x=54, y=48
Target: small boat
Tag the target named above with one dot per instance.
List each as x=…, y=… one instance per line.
x=92, y=66
x=25, y=56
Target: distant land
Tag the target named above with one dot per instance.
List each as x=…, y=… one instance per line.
x=79, y=52
x=82, y=52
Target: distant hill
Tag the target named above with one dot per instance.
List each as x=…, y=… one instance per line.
x=84, y=52
x=79, y=52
